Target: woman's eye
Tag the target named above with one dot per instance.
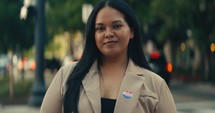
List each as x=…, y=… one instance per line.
x=117, y=26
x=99, y=29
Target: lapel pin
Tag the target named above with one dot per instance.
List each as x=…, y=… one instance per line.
x=127, y=94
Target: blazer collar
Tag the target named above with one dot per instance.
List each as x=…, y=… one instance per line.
x=91, y=86
x=133, y=68
x=130, y=89
x=128, y=94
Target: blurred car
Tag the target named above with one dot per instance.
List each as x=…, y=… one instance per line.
x=160, y=66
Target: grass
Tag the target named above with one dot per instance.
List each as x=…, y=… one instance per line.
x=22, y=88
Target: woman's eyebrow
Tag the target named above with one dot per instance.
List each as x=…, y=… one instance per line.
x=118, y=21
x=99, y=24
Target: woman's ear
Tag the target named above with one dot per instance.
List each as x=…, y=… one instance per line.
x=132, y=34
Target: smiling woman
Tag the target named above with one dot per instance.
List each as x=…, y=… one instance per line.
x=112, y=33
x=112, y=75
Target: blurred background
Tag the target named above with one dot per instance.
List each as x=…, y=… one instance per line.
x=37, y=37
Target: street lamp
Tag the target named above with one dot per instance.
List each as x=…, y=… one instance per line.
x=27, y=9
x=38, y=6
x=86, y=10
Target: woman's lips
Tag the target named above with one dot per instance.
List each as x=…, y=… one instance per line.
x=110, y=43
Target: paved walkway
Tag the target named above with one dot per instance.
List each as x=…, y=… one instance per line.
x=18, y=109
x=196, y=107
x=196, y=97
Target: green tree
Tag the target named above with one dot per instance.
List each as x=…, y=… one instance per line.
x=180, y=15
x=65, y=15
x=15, y=34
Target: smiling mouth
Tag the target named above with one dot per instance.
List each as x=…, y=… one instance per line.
x=110, y=43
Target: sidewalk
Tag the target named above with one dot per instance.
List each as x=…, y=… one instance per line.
x=204, y=87
x=192, y=91
x=18, y=109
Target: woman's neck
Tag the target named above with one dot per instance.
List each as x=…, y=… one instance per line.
x=112, y=72
x=114, y=62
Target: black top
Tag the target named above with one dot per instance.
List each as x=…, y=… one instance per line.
x=108, y=105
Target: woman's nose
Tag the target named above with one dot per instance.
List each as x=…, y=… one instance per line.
x=108, y=33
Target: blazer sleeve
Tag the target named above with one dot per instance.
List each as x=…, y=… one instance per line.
x=166, y=103
x=53, y=101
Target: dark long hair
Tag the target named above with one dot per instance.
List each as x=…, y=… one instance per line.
x=91, y=52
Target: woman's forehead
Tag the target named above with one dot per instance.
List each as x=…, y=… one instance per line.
x=109, y=14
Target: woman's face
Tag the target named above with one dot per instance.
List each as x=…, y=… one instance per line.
x=112, y=33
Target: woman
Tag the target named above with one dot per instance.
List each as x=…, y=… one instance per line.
x=112, y=76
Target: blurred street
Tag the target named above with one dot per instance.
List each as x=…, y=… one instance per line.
x=190, y=97
x=196, y=97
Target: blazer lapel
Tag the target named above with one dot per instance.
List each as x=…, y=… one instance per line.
x=128, y=94
x=92, y=88
x=129, y=91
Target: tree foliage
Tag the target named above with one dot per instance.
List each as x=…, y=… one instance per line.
x=65, y=15
x=180, y=15
x=161, y=19
x=15, y=34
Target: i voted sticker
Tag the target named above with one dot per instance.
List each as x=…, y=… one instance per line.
x=127, y=94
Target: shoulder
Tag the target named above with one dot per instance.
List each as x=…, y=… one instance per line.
x=155, y=91
x=152, y=77
x=66, y=69
x=62, y=76
x=64, y=72
x=151, y=80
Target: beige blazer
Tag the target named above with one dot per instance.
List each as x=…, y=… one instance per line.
x=141, y=91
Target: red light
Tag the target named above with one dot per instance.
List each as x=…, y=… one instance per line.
x=20, y=65
x=169, y=67
x=33, y=65
x=155, y=55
